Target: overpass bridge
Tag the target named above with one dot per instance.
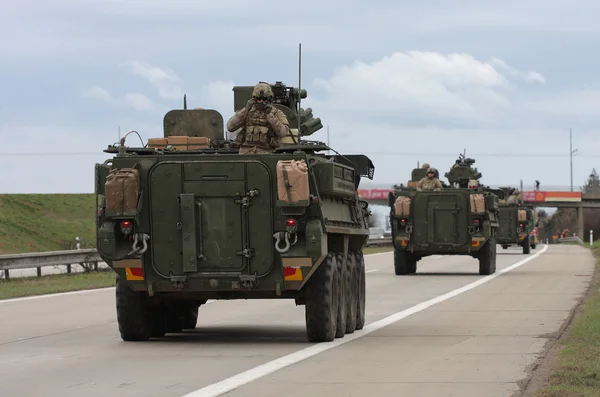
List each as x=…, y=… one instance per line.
x=552, y=196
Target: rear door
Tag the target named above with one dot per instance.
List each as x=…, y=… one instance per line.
x=441, y=219
x=201, y=215
x=508, y=223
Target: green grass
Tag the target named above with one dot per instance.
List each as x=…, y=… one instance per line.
x=577, y=369
x=45, y=222
x=29, y=286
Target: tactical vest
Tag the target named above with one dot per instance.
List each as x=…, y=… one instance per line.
x=258, y=130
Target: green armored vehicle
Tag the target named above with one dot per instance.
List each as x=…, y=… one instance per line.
x=186, y=218
x=516, y=224
x=459, y=219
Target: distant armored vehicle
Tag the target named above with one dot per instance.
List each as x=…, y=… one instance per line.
x=460, y=219
x=186, y=219
x=517, y=223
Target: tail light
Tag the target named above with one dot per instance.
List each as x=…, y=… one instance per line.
x=291, y=225
x=403, y=222
x=521, y=225
x=126, y=227
x=476, y=222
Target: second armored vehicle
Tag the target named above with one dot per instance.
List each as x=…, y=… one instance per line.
x=458, y=220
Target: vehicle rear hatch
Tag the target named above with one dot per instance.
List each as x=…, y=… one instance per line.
x=200, y=216
x=441, y=219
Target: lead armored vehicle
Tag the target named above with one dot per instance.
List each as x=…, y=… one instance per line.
x=460, y=219
x=186, y=218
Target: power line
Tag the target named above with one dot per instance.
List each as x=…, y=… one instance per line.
x=430, y=154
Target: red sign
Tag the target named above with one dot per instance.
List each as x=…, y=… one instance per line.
x=533, y=197
x=374, y=194
x=550, y=197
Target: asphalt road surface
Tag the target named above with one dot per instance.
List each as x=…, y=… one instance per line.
x=445, y=331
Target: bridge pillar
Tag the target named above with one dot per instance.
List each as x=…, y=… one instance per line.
x=580, y=222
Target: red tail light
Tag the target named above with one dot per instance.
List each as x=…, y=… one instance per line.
x=290, y=222
x=126, y=226
x=476, y=222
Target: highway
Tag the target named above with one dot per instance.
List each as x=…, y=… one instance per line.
x=445, y=331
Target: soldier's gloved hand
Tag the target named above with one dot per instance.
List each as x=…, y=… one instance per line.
x=250, y=103
x=269, y=109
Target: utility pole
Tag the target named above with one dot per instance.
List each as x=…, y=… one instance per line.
x=328, y=151
x=571, y=154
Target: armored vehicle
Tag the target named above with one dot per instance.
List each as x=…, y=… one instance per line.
x=460, y=219
x=185, y=219
x=516, y=224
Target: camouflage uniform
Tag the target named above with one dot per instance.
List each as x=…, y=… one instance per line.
x=425, y=165
x=430, y=182
x=515, y=198
x=261, y=125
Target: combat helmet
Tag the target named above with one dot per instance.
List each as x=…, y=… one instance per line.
x=431, y=169
x=262, y=91
x=425, y=165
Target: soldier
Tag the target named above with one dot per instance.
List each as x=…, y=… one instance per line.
x=514, y=198
x=425, y=165
x=430, y=182
x=261, y=125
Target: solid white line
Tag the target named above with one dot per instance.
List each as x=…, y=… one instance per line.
x=85, y=291
x=232, y=383
x=372, y=270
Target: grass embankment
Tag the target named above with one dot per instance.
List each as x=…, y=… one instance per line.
x=45, y=222
x=576, y=371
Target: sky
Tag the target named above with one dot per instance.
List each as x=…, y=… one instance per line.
x=402, y=82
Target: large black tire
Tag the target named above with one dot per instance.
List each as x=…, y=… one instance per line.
x=353, y=293
x=412, y=264
x=344, y=289
x=361, y=280
x=134, y=314
x=487, y=258
x=401, y=266
x=190, y=319
x=321, y=301
x=533, y=246
x=526, y=245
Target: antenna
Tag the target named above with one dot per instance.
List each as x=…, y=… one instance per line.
x=299, y=89
x=184, y=102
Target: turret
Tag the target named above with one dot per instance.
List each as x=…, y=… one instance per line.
x=462, y=172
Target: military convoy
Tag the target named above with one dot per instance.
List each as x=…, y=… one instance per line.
x=186, y=219
x=517, y=223
x=461, y=219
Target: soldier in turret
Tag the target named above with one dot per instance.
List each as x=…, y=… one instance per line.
x=425, y=165
x=261, y=125
x=430, y=182
x=515, y=197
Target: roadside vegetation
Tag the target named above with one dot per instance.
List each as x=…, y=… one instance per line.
x=45, y=222
x=575, y=370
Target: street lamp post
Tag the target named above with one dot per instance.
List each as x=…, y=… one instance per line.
x=571, y=154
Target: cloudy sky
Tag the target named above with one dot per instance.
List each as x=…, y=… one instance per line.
x=398, y=81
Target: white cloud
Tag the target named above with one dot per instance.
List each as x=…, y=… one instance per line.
x=164, y=80
x=138, y=101
x=134, y=100
x=98, y=93
x=427, y=87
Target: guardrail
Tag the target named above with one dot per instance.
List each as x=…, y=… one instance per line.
x=570, y=240
x=38, y=260
x=379, y=242
x=90, y=256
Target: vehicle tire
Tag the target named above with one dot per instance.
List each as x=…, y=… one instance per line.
x=353, y=293
x=400, y=262
x=504, y=247
x=487, y=258
x=343, y=300
x=411, y=263
x=526, y=246
x=133, y=313
x=361, y=276
x=533, y=246
x=321, y=301
x=190, y=319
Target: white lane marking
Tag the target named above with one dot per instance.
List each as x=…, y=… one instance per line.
x=85, y=291
x=372, y=270
x=232, y=383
